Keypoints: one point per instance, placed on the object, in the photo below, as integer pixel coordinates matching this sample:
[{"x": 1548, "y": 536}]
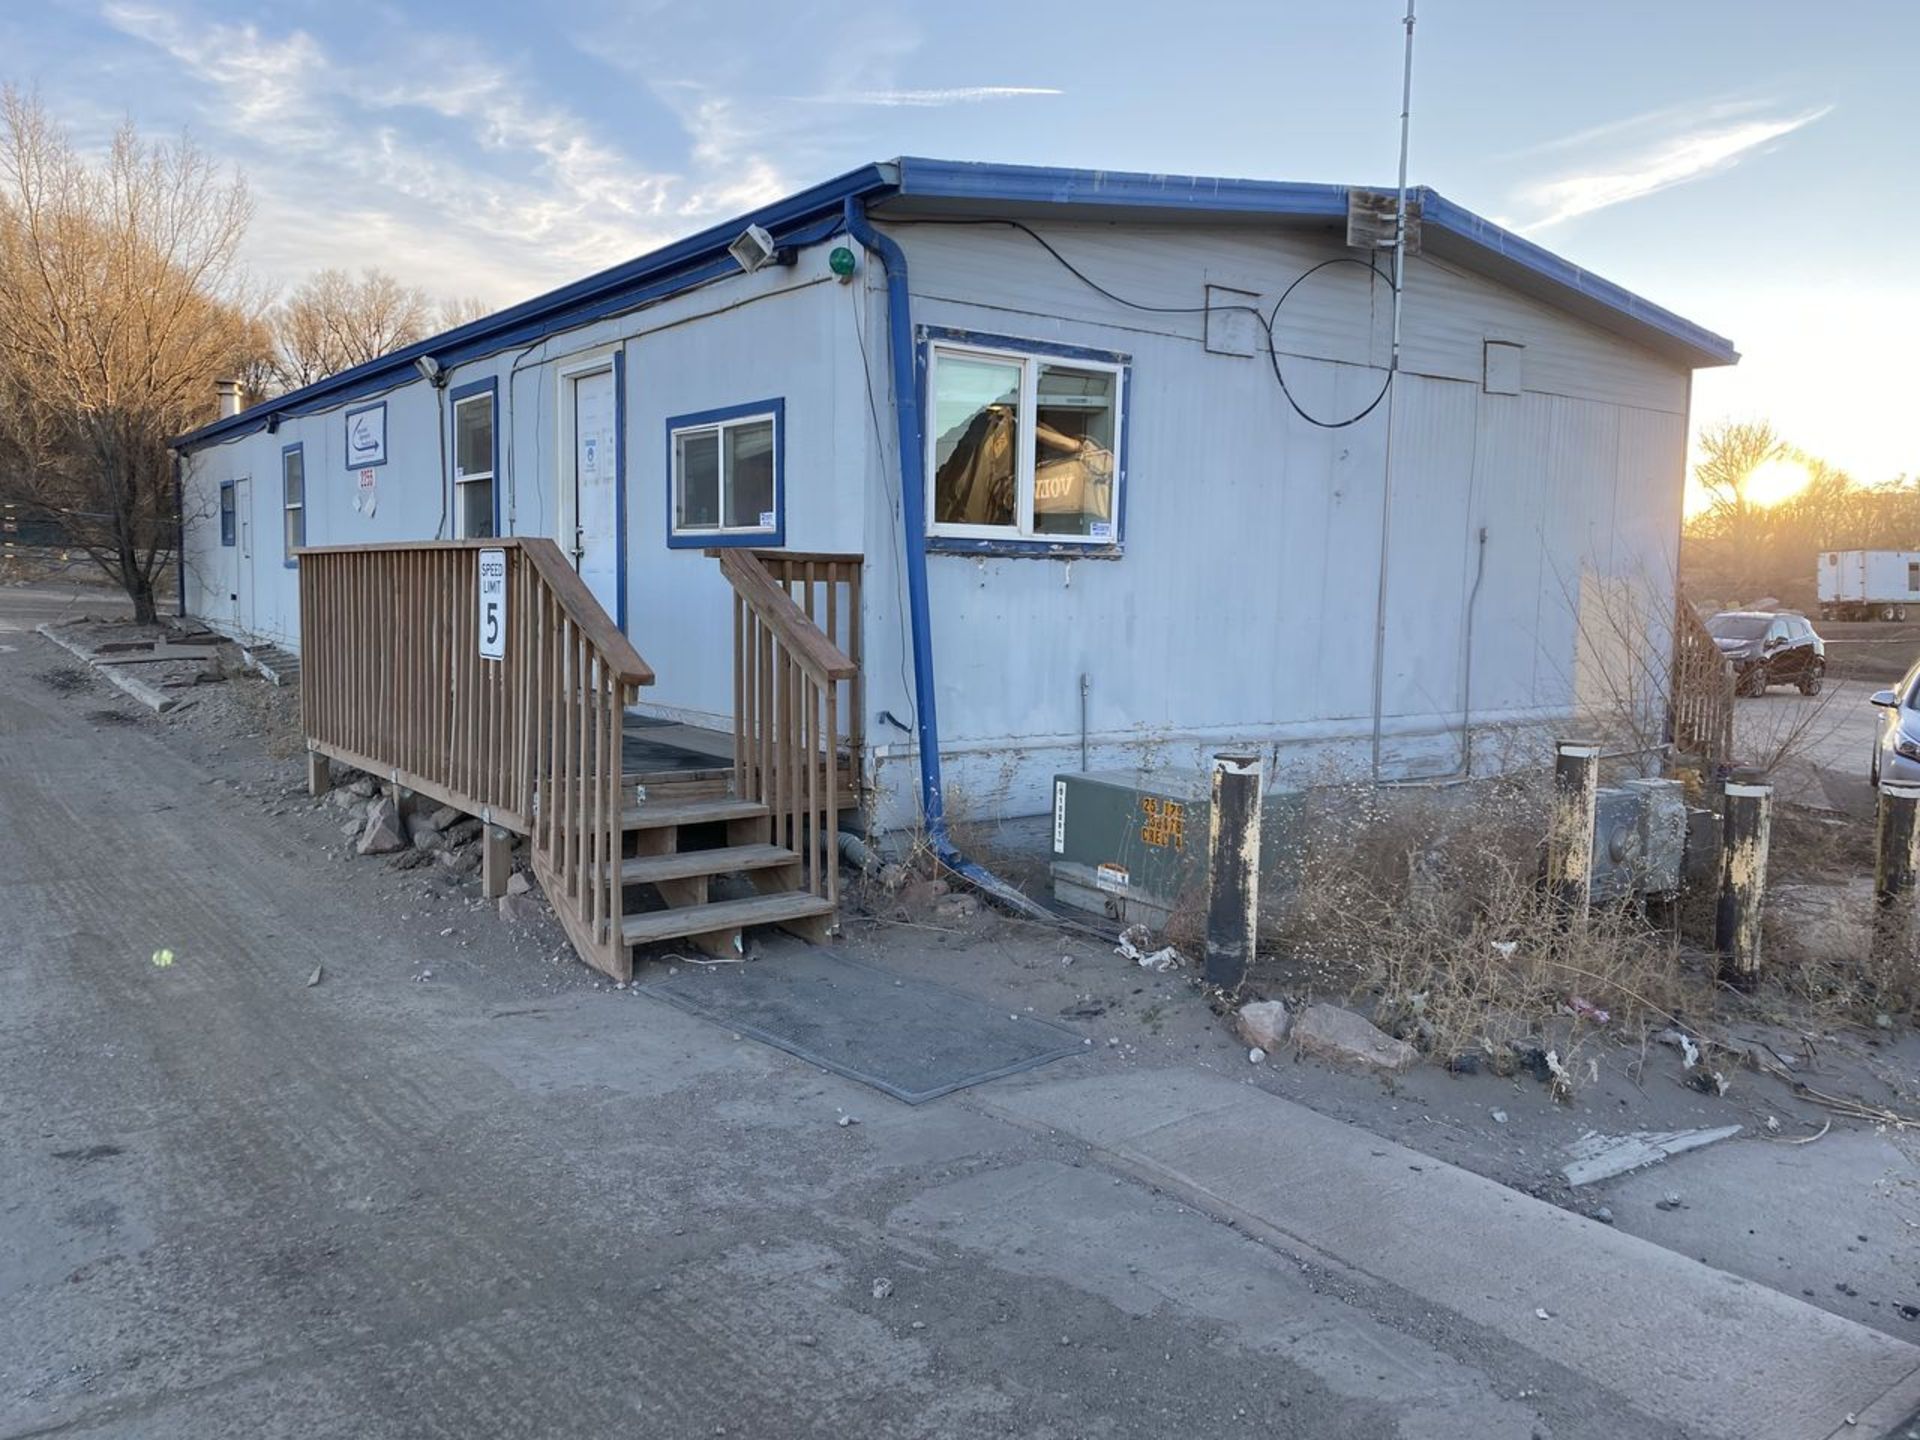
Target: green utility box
[{"x": 1131, "y": 843}]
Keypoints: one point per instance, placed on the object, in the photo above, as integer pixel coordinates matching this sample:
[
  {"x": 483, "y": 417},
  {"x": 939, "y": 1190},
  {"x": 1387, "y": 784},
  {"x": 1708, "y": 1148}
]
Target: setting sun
[{"x": 1779, "y": 479}]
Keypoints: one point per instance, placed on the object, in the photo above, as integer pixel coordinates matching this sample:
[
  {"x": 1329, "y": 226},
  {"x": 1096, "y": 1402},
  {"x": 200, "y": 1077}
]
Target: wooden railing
[
  {"x": 788, "y": 680},
  {"x": 1700, "y": 691},
  {"x": 826, "y": 587},
  {"x": 393, "y": 682}
]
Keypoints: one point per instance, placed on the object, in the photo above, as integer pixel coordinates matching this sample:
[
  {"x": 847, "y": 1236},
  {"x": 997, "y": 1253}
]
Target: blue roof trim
[
  {"x": 966, "y": 180},
  {"x": 812, "y": 215},
  {"x": 686, "y": 262}
]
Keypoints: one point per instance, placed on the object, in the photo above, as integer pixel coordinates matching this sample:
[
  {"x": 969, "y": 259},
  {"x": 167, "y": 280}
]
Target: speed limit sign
[{"x": 493, "y": 604}]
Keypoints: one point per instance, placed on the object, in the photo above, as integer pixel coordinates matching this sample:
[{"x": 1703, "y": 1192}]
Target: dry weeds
[{"x": 1430, "y": 903}]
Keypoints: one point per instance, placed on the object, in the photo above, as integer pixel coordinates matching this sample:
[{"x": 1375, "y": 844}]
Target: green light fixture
[{"x": 840, "y": 260}]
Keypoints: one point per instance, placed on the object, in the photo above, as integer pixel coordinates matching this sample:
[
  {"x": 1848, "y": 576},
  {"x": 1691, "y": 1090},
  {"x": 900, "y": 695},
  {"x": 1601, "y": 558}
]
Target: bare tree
[
  {"x": 333, "y": 322},
  {"x": 120, "y": 303},
  {"x": 461, "y": 310}
]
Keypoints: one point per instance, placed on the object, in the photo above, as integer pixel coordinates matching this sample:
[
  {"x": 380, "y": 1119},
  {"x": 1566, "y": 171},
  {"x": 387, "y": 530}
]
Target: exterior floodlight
[
  {"x": 755, "y": 248},
  {"x": 430, "y": 371}
]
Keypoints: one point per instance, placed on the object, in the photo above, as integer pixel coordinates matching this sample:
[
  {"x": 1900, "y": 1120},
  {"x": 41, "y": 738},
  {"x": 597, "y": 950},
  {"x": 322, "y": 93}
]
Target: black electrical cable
[{"x": 1264, "y": 319}]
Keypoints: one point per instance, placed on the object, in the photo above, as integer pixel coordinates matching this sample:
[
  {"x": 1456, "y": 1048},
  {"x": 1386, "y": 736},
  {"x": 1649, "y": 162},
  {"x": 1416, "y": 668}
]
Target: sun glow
[{"x": 1778, "y": 479}]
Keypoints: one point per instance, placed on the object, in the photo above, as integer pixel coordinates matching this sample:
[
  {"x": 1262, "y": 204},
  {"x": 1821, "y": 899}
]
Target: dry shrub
[{"x": 1431, "y": 902}]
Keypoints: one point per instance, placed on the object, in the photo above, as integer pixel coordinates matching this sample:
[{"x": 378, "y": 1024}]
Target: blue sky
[{"x": 1747, "y": 164}]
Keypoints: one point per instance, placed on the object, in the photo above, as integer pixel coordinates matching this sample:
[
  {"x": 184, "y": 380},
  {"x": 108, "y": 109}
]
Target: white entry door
[
  {"x": 243, "y": 555},
  {"x": 589, "y": 400}
]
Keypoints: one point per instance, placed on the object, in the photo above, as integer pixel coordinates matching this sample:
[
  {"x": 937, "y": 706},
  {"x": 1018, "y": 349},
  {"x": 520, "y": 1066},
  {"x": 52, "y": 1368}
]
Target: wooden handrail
[
  {"x": 529, "y": 739},
  {"x": 585, "y": 611},
  {"x": 788, "y": 677},
  {"x": 805, "y": 641},
  {"x": 615, "y": 649}
]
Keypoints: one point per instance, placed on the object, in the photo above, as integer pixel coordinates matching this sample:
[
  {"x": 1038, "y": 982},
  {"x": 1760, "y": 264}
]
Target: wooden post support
[
  {"x": 1746, "y": 824},
  {"x": 1576, "y": 786},
  {"x": 1896, "y": 871},
  {"x": 319, "y": 774},
  {"x": 496, "y": 860},
  {"x": 1233, "y": 868}
]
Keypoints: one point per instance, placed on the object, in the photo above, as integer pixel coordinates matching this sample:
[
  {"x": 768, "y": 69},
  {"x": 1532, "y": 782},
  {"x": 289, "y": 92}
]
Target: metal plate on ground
[{"x": 910, "y": 1038}]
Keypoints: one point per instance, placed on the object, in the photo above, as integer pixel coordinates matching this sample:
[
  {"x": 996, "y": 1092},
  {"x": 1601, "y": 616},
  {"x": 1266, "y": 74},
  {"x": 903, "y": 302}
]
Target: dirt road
[{"x": 454, "y": 1189}]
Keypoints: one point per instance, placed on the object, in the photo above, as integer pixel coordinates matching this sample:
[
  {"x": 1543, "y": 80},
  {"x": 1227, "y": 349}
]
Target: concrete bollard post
[
  {"x": 496, "y": 860},
  {"x": 1233, "y": 869},
  {"x": 1896, "y": 871},
  {"x": 1576, "y": 789},
  {"x": 1746, "y": 826},
  {"x": 319, "y": 774}
]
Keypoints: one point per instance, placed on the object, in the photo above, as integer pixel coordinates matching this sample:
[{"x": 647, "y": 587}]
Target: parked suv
[{"x": 1769, "y": 649}]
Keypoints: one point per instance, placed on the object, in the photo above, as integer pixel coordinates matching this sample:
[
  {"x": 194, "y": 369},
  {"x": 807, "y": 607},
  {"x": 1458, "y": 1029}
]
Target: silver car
[{"x": 1896, "y": 754}]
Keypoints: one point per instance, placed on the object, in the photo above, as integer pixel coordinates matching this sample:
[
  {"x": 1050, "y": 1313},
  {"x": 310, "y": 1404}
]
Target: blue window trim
[
  {"x": 228, "y": 501},
  {"x": 488, "y": 386},
  {"x": 347, "y": 433},
  {"x": 926, "y": 337},
  {"x": 298, "y": 447},
  {"x": 712, "y": 539}
]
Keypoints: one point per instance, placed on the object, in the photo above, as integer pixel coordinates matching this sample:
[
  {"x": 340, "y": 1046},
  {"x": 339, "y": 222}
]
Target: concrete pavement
[
  {"x": 232, "y": 1204},
  {"x": 1819, "y": 747}
]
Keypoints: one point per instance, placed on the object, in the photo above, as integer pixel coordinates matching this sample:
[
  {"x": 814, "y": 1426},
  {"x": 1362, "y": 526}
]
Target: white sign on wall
[
  {"x": 493, "y": 604},
  {"x": 367, "y": 436}
]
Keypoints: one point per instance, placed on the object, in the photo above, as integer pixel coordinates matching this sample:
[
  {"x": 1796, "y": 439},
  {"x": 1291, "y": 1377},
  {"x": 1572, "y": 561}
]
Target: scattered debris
[
  {"x": 1134, "y": 941},
  {"x": 319, "y": 973},
  {"x": 1256, "y": 1056},
  {"x": 1499, "y": 1117},
  {"x": 162, "y": 958},
  {"x": 1587, "y": 1010},
  {"x": 1263, "y": 1024},
  {"x": 846, "y": 1120},
  {"x": 882, "y": 1288},
  {"x": 1338, "y": 1035},
  {"x": 1683, "y": 1043},
  {"x": 519, "y": 883},
  {"x": 1825, "y": 1126},
  {"x": 1541, "y": 1315},
  {"x": 1561, "y": 1087},
  {"x": 1594, "y": 1157},
  {"x": 1670, "y": 1201}
]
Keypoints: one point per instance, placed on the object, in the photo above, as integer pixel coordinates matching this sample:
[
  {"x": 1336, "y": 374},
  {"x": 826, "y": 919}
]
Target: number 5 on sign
[{"x": 493, "y": 604}]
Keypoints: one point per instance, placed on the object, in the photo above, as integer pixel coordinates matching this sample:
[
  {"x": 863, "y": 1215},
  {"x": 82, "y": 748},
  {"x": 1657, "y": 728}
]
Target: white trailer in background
[{"x": 1868, "y": 584}]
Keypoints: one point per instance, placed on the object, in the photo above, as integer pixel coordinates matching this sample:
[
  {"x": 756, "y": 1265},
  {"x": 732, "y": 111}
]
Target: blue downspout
[{"x": 913, "y": 520}]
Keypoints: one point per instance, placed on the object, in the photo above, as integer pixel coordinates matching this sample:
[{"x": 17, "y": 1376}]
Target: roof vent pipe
[{"x": 229, "y": 392}]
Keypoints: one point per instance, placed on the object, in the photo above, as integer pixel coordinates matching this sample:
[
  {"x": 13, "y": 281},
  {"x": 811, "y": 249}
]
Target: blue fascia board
[
  {"x": 966, "y": 180},
  {"x": 691, "y": 261},
  {"x": 703, "y": 257}
]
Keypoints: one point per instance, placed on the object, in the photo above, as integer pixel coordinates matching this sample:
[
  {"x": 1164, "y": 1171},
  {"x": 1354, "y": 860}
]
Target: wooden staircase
[
  {"x": 678, "y": 848},
  {"x": 529, "y": 737}
]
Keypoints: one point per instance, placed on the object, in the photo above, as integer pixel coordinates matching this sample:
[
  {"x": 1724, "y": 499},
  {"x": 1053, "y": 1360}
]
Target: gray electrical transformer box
[{"x": 1133, "y": 843}]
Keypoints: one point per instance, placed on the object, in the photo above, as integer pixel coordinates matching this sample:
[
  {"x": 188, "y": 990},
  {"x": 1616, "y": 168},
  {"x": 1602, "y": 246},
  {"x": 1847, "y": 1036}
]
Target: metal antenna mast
[{"x": 1393, "y": 372}]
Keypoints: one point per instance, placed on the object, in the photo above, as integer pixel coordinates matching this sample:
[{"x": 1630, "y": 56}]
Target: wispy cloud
[
  {"x": 518, "y": 194},
  {"x": 1646, "y": 154},
  {"x": 956, "y": 95}
]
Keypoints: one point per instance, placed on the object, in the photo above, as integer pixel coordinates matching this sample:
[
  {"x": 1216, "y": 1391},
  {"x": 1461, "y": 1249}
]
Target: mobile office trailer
[
  {"x": 1122, "y": 463},
  {"x": 1868, "y": 584}
]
